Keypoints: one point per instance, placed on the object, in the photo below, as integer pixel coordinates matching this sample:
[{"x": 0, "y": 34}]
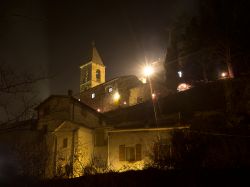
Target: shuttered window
[
  {"x": 122, "y": 152},
  {"x": 138, "y": 152},
  {"x": 130, "y": 153},
  {"x": 65, "y": 142}
]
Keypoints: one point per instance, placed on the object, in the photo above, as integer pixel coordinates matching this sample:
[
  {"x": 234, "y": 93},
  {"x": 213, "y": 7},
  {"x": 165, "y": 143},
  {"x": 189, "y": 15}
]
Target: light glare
[
  {"x": 148, "y": 71},
  {"x": 223, "y": 74},
  {"x": 116, "y": 96},
  {"x": 180, "y": 73},
  {"x": 183, "y": 87},
  {"x": 153, "y": 95}
]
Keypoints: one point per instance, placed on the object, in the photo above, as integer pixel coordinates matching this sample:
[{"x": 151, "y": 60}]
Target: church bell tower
[{"x": 92, "y": 73}]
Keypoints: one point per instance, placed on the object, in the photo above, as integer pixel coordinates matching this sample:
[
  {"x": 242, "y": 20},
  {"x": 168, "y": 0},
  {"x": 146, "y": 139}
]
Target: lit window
[
  {"x": 93, "y": 95},
  {"x": 180, "y": 73},
  {"x": 110, "y": 89},
  {"x": 183, "y": 87},
  {"x": 46, "y": 110},
  {"x": 65, "y": 142}
]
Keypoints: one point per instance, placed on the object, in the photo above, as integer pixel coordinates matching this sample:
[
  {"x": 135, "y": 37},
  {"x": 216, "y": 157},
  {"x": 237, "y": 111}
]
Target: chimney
[{"x": 70, "y": 93}]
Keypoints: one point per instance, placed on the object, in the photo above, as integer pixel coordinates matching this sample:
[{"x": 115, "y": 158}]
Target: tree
[
  {"x": 216, "y": 39},
  {"x": 17, "y": 96}
]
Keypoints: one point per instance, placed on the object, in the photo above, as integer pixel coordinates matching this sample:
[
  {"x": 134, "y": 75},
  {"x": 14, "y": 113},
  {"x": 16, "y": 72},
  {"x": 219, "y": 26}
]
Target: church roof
[
  {"x": 72, "y": 99},
  {"x": 94, "y": 56}
]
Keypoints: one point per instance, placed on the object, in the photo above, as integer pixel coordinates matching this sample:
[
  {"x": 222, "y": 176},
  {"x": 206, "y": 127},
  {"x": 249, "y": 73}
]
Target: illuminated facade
[
  {"x": 68, "y": 125},
  {"x": 113, "y": 94}
]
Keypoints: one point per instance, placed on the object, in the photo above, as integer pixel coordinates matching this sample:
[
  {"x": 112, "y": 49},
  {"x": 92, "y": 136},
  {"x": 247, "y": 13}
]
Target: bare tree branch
[{"x": 17, "y": 96}]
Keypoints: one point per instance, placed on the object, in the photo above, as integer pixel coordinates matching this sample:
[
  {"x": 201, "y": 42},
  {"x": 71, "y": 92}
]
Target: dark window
[
  {"x": 98, "y": 75},
  {"x": 83, "y": 112},
  {"x": 45, "y": 128},
  {"x": 41, "y": 113},
  {"x": 130, "y": 153},
  {"x": 46, "y": 110},
  {"x": 65, "y": 142}
]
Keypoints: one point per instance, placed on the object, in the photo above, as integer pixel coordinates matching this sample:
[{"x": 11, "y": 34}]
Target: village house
[{"x": 80, "y": 137}]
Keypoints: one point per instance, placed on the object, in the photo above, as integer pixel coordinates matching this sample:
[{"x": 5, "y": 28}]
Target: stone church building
[
  {"x": 104, "y": 95},
  {"x": 113, "y": 124}
]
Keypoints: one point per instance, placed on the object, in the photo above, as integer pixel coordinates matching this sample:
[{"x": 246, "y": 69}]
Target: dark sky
[{"x": 54, "y": 36}]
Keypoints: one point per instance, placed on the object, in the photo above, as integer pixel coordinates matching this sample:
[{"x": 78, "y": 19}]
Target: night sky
[{"x": 54, "y": 37}]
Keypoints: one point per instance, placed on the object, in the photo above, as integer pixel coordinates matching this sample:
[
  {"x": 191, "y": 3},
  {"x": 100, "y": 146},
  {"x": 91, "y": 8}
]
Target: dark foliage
[
  {"x": 215, "y": 40},
  {"x": 149, "y": 177}
]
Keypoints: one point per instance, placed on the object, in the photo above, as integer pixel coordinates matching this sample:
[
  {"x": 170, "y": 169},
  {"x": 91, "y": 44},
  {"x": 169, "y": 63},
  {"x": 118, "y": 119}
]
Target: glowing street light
[
  {"x": 148, "y": 71},
  {"x": 153, "y": 95},
  {"x": 223, "y": 75},
  {"x": 116, "y": 96},
  {"x": 183, "y": 87}
]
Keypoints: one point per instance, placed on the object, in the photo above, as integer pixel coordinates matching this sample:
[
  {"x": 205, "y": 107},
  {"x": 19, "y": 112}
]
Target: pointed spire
[{"x": 95, "y": 55}]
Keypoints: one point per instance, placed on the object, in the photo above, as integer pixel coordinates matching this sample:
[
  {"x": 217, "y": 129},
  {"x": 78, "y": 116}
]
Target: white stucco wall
[
  {"x": 84, "y": 152},
  {"x": 145, "y": 137}
]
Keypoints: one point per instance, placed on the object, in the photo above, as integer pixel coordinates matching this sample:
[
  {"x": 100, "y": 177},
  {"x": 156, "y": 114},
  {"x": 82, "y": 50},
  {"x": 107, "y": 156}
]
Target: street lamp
[
  {"x": 148, "y": 71},
  {"x": 223, "y": 75},
  {"x": 116, "y": 97}
]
